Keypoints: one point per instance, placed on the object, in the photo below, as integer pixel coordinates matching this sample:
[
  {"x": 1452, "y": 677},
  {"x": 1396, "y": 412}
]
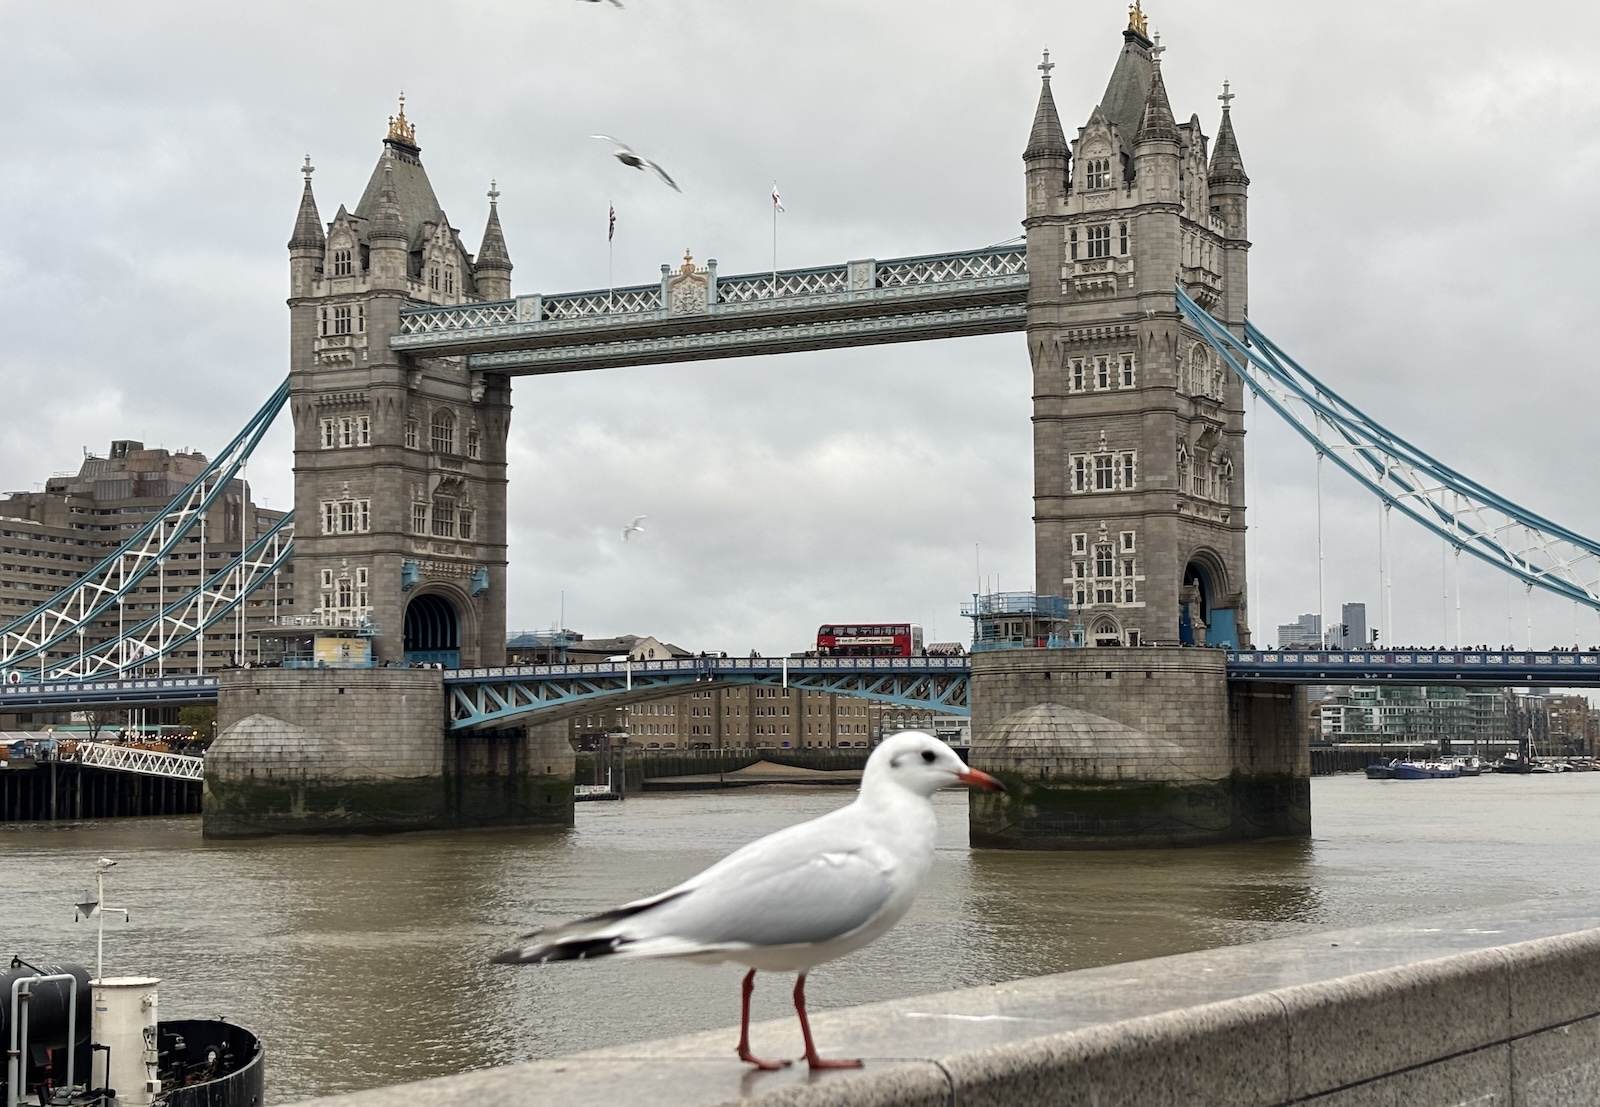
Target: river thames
[{"x": 365, "y": 961}]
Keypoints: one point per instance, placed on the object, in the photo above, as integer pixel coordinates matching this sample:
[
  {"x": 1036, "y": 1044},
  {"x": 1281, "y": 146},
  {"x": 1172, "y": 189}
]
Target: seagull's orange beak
[{"x": 977, "y": 778}]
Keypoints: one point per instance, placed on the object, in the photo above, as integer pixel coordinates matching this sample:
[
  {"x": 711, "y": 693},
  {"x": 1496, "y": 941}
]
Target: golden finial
[
  {"x": 1137, "y": 20},
  {"x": 688, "y": 262},
  {"x": 399, "y": 129}
]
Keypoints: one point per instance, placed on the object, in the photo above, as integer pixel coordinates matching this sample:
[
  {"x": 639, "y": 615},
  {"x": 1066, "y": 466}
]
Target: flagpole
[
  {"x": 774, "y": 239},
  {"x": 611, "y": 231}
]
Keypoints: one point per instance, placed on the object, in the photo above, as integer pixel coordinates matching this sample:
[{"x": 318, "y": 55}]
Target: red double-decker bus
[{"x": 869, "y": 640}]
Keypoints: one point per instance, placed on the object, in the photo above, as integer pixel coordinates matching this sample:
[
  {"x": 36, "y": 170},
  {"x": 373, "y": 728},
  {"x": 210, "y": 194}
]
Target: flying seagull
[
  {"x": 794, "y": 899},
  {"x": 624, "y": 153},
  {"x": 618, "y": 3},
  {"x": 636, "y": 525}
]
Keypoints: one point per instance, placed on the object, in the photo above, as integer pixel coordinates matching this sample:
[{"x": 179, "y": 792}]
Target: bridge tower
[
  {"x": 1138, "y": 432},
  {"x": 1138, "y": 427},
  {"x": 400, "y": 465}
]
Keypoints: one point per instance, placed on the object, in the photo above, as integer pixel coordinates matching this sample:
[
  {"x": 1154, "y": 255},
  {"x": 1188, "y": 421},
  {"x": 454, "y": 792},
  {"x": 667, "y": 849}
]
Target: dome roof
[{"x": 1051, "y": 741}]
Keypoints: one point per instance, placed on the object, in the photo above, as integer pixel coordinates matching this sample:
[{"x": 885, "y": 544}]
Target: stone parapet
[{"x": 1492, "y": 1007}]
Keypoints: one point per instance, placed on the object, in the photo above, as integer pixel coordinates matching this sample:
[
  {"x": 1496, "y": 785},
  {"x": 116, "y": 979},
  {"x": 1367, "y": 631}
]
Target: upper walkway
[
  {"x": 694, "y": 314},
  {"x": 1553, "y": 668}
]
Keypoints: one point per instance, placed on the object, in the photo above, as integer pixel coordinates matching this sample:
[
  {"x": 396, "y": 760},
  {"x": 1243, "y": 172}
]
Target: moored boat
[{"x": 1424, "y": 770}]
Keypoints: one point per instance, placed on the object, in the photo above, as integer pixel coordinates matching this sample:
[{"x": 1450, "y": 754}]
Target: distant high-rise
[
  {"x": 1352, "y": 626},
  {"x": 1304, "y": 633}
]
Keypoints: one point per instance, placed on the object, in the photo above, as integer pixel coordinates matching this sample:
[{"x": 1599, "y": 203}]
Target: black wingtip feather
[{"x": 580, "y": 949}]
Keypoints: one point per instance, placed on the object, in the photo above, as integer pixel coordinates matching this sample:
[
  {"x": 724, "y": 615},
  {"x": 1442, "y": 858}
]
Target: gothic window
[
  {"x": 464, "y": 521},
  {"x": 1077, "y": 374},
  {"x": 1100, "y": 240},
  {"x": 364, "y": 430},
  {"x": 1127, "y": 540},
  {"x": 363, "y": 515},
  {"x": 341, "y": 263},
  {"x": 329, "y": 517},
  {"x": 1079, "y": 543},
  {"x": 474, "y": 444},
  {"x": 1102, "y": 373},
  {"x": 1072, "y": 244},
  {"x": 346, "y": 516},
  {"x": 1097, "y": 173},
  {"x": 433, "y": 278},
  {"x": 419, "y": 518},
  {"x": 330, "y": 434},
  {"x": 322, "y": 317},
  {"x": 361, "y": 319},
  {"x": 361, "y": 587},
  {"x": 1080, "y": 473},
  {"x": 444, "y": 517},
  {"x": 449, "y": 280},
  {"x": 347, "y": 432},
  {"x": 411, "y": 434},
  {"x": 1126, "y": 459},
  {"x": 443, "y": 435},
  {"x": 1127, "y": 370},
  {"x": 346, "y": 593},
  {"x": 341, "y": 320},
  {"x": 1122, "y": 237},
  {"x": 1103, "y": 473}
]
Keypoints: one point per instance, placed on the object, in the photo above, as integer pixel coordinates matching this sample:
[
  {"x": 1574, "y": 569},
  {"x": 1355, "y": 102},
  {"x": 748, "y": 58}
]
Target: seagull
[
  {"x": 634, "y": 526},
  {"x": 624, "y": 153},
  {"x": 618, "y": 3},
  {"x": 794, "y": 899}
]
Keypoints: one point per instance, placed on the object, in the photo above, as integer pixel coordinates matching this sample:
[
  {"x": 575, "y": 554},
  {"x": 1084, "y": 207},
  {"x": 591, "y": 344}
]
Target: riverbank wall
[{"x": 1491, "y": 1007}]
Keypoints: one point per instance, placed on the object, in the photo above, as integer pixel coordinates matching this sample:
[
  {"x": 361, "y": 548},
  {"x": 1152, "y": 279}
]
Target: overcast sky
[{"x": 1422, "y": 206}]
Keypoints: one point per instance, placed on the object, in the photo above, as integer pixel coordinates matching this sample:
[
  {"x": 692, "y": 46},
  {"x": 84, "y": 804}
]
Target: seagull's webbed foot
[
  {"x": 812, "y": 1059},
  {"x": 761, "y": 1064}
]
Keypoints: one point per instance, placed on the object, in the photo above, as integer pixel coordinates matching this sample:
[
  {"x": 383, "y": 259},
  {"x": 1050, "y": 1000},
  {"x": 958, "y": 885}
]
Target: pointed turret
[
  {"x": 1157, "y": 123},
  {"x": 492, "y": 271},
  {"x": 1227, "y": 167},
  {"x": 307, "y": 245},
  {"x": 307, "y": 223},
  {"x": 1047, "y": 152},
  {"x": 388, "y": 238},
  {"x": 1229, "y": 185}
]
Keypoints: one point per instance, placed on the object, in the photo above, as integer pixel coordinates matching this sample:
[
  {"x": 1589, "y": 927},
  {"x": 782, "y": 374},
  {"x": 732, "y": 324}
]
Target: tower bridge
[{"x": 1131, "y": 287}]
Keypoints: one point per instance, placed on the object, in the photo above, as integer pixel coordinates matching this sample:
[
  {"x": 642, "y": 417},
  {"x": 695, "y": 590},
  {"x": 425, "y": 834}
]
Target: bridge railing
[
  {"x": 130, "y": 759},
  {"x": 992, "y": 267},
  {"x": 713, "y": 665}
]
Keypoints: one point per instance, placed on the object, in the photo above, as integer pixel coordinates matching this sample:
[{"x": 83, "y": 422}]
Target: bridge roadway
[{"x": 535, "y": 693}]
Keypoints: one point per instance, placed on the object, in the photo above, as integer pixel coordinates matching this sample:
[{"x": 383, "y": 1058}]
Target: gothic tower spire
[
  {"x": 1156, "y": 123},
  {"x": 492, "y": 270},
  {"x": 1047, "y": 153},
  {"x": 307, "y": 245}
]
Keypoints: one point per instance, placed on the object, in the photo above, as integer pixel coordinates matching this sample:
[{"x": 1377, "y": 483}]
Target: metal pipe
[{"x": 16, "y": 1057}]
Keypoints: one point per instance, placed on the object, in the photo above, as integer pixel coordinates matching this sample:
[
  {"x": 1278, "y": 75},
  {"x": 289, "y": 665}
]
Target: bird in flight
[
  {"x": 636, "y": 525},
  {"x": 794, "y": 899},
  {"x": 625, "y": 154},
  {"x": 617, "y": 3}
]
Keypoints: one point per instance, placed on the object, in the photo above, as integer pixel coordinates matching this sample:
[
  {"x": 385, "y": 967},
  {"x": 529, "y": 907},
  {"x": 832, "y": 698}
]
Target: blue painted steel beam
[
  {"x": 130, "y": 692},
  {"x": 548, "y": 693},
  {"x": 854, "y": 303},
  {"x": 1555, "y": 669}
]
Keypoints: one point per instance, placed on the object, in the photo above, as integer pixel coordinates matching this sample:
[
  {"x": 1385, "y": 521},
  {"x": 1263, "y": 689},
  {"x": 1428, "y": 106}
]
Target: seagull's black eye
[{"x": 928, "y": 756}]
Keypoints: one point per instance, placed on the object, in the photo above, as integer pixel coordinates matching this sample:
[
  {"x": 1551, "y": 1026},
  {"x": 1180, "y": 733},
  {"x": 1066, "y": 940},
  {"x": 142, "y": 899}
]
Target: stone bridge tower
[
  {"x": 400, "y": 464},
  {"x": 1139, "y": 515}
]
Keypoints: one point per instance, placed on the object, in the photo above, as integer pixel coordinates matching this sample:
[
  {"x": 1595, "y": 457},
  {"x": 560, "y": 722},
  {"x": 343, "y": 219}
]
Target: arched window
[{"x": 443, "y": 435}]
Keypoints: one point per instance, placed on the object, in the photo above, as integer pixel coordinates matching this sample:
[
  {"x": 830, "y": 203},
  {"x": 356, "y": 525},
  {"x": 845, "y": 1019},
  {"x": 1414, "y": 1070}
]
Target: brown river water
[{"x": 365, "y": 961}]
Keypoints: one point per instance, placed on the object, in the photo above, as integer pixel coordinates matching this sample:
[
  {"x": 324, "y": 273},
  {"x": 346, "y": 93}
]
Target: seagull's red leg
[
  {"x": 805, "y": 1029},
  {"x": 744, "y": 1030}
]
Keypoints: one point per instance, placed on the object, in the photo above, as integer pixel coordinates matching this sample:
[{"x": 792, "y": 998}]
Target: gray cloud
[{"x": 1421, "y": 210}]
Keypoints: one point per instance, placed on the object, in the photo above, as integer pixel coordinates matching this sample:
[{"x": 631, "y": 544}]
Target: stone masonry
[
  {"x": 1138, "y": 426},
  {"x": 305, "y": 751}
]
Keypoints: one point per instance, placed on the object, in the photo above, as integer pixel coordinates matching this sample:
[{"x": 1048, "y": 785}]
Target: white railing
[{"x": 125, "y": 759}]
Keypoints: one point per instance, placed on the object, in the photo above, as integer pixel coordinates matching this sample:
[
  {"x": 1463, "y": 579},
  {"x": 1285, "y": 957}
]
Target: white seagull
[
  {"x": 625, "y": 154},
  {"x": 794, "y": 899},
  {"x": 636, "y": 525}
]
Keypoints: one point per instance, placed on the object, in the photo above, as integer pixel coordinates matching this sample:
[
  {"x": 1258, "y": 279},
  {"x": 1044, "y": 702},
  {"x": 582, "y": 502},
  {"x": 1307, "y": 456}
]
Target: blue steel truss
[
  {"x": 1499, "y": 668},
  {"x": 694, "y": 314},
  {"x": 549, "y": 693},
  {"x": 62, "y": 623},
  {"x": 1465, "y": 513}
]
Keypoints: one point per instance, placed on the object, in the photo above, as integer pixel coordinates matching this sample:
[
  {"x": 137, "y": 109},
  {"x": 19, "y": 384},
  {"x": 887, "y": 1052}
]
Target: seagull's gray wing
[
  {"x": 617, "y": 142},
  {"x": 775, "y": 902},
  {"x": 662, "y": 173}
]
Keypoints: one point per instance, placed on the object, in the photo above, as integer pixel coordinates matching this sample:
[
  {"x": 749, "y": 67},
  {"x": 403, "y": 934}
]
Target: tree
[
  {"x": 99, "y": 720},
  {"x": 201, "y": 719}
]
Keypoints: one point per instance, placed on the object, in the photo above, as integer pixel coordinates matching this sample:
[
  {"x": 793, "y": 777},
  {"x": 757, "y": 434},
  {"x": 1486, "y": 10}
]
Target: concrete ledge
[{"x": 1487, "y": 1008}]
